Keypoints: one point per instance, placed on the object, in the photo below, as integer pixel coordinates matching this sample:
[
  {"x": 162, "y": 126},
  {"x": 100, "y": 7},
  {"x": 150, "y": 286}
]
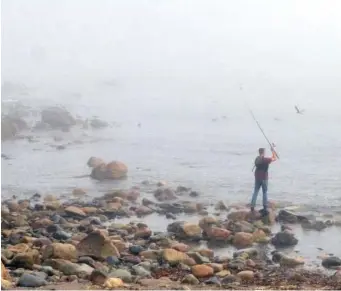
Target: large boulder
[
  {"x": 10, "y": 126},
  {"x": 116, "y": 170},
  {"x": 185, "y": 230},
  {"x": 97, "y": 245},
  {"x": 57, "y": 117},
  {"x": 284, "y": 239},
  {"x": 113, "y": 170}
]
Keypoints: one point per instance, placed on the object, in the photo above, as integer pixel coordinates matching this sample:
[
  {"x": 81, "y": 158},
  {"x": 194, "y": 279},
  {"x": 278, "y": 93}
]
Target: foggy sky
[{"x": 277, "y": 49}]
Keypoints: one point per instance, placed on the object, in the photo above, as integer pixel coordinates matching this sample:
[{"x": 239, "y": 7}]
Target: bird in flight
[{"x": 299, "y": 111}]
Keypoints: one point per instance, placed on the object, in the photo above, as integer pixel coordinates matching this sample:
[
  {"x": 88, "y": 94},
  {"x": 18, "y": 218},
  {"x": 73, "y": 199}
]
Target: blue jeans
[{"x": 264, "y": 185}]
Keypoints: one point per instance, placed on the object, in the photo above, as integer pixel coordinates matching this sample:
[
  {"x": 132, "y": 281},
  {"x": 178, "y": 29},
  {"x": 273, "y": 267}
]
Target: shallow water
[{"x": 328, "y": 241}]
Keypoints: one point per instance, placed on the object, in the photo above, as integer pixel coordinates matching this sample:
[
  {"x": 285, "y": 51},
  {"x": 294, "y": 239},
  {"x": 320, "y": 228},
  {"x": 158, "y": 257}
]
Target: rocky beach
[
  {"x": 47, "y": 243},
  {"x": 153, "y": 235}
]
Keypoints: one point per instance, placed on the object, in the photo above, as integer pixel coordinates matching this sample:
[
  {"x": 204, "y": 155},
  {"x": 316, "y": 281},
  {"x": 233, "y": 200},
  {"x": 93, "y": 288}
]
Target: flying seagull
[{"x": 298, "y": 111}]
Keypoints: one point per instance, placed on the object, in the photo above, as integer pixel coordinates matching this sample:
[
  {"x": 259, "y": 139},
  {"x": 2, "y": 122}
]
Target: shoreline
[{"x": 110, "y": 242}]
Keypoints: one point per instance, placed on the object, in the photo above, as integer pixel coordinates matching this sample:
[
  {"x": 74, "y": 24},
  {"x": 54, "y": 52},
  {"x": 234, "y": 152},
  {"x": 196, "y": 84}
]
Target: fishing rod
[
  {"x": 261, "y": 129},
  {"x": 272, "y": 146}
]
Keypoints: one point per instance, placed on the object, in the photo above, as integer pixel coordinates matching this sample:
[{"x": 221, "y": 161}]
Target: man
[{"x": 261, "y": 177}]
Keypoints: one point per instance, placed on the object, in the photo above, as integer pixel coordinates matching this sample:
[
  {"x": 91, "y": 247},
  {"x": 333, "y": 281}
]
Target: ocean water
[{"x": 211, "y": 149}]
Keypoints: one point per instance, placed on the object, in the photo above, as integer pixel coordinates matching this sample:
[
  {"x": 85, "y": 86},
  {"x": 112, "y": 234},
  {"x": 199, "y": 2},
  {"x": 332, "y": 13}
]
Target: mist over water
[
  {"x": 185, "y": 71},
  {"x": 173, "y": 66}
]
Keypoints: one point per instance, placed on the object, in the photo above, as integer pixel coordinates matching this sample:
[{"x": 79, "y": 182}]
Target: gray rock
[
  {"x": 48, "y": 270},
  {"x": 170, "y": 216},
  {"x": 184, "y": 267},
  {"x": 66, "y": 267},
  {"x": 164, "y": 194},
  {"x": 141, "y": 272},
  {"x": 213, "y": 281},
  {"x": 41, "y": 275},
  {"x": 315, "y": 225},
  {"x": 237, "y": 264},
  {"x": 190, "y": 279},
  {"x": 287, "y": 216},
  {"x": 123, "y": 274},
  {"x": 31, "y": 280},
  {"x": 57, "y": 117},
  {"x": 284, "y": 239},
  {"x": 61, "y": 235},
  {"x": 54, "y": 227},
  {"x": 84, "y": 268},
  {"x": 97, "y": 123},
  {"x": 87, "y": 260},
  {"x": 146, "y": 265},
  {"x": 331, "y": 262},
  {"x": 228, "y": 280},
  {"x": 199, "y": 259}
]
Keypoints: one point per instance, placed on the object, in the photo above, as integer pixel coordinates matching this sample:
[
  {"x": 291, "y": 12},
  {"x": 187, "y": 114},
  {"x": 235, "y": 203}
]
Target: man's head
[{"x": 261, "y": 151}]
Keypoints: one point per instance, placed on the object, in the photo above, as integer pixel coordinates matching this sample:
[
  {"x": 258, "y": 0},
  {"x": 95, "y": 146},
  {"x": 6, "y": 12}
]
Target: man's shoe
[{"x": 264, "y": 212}]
